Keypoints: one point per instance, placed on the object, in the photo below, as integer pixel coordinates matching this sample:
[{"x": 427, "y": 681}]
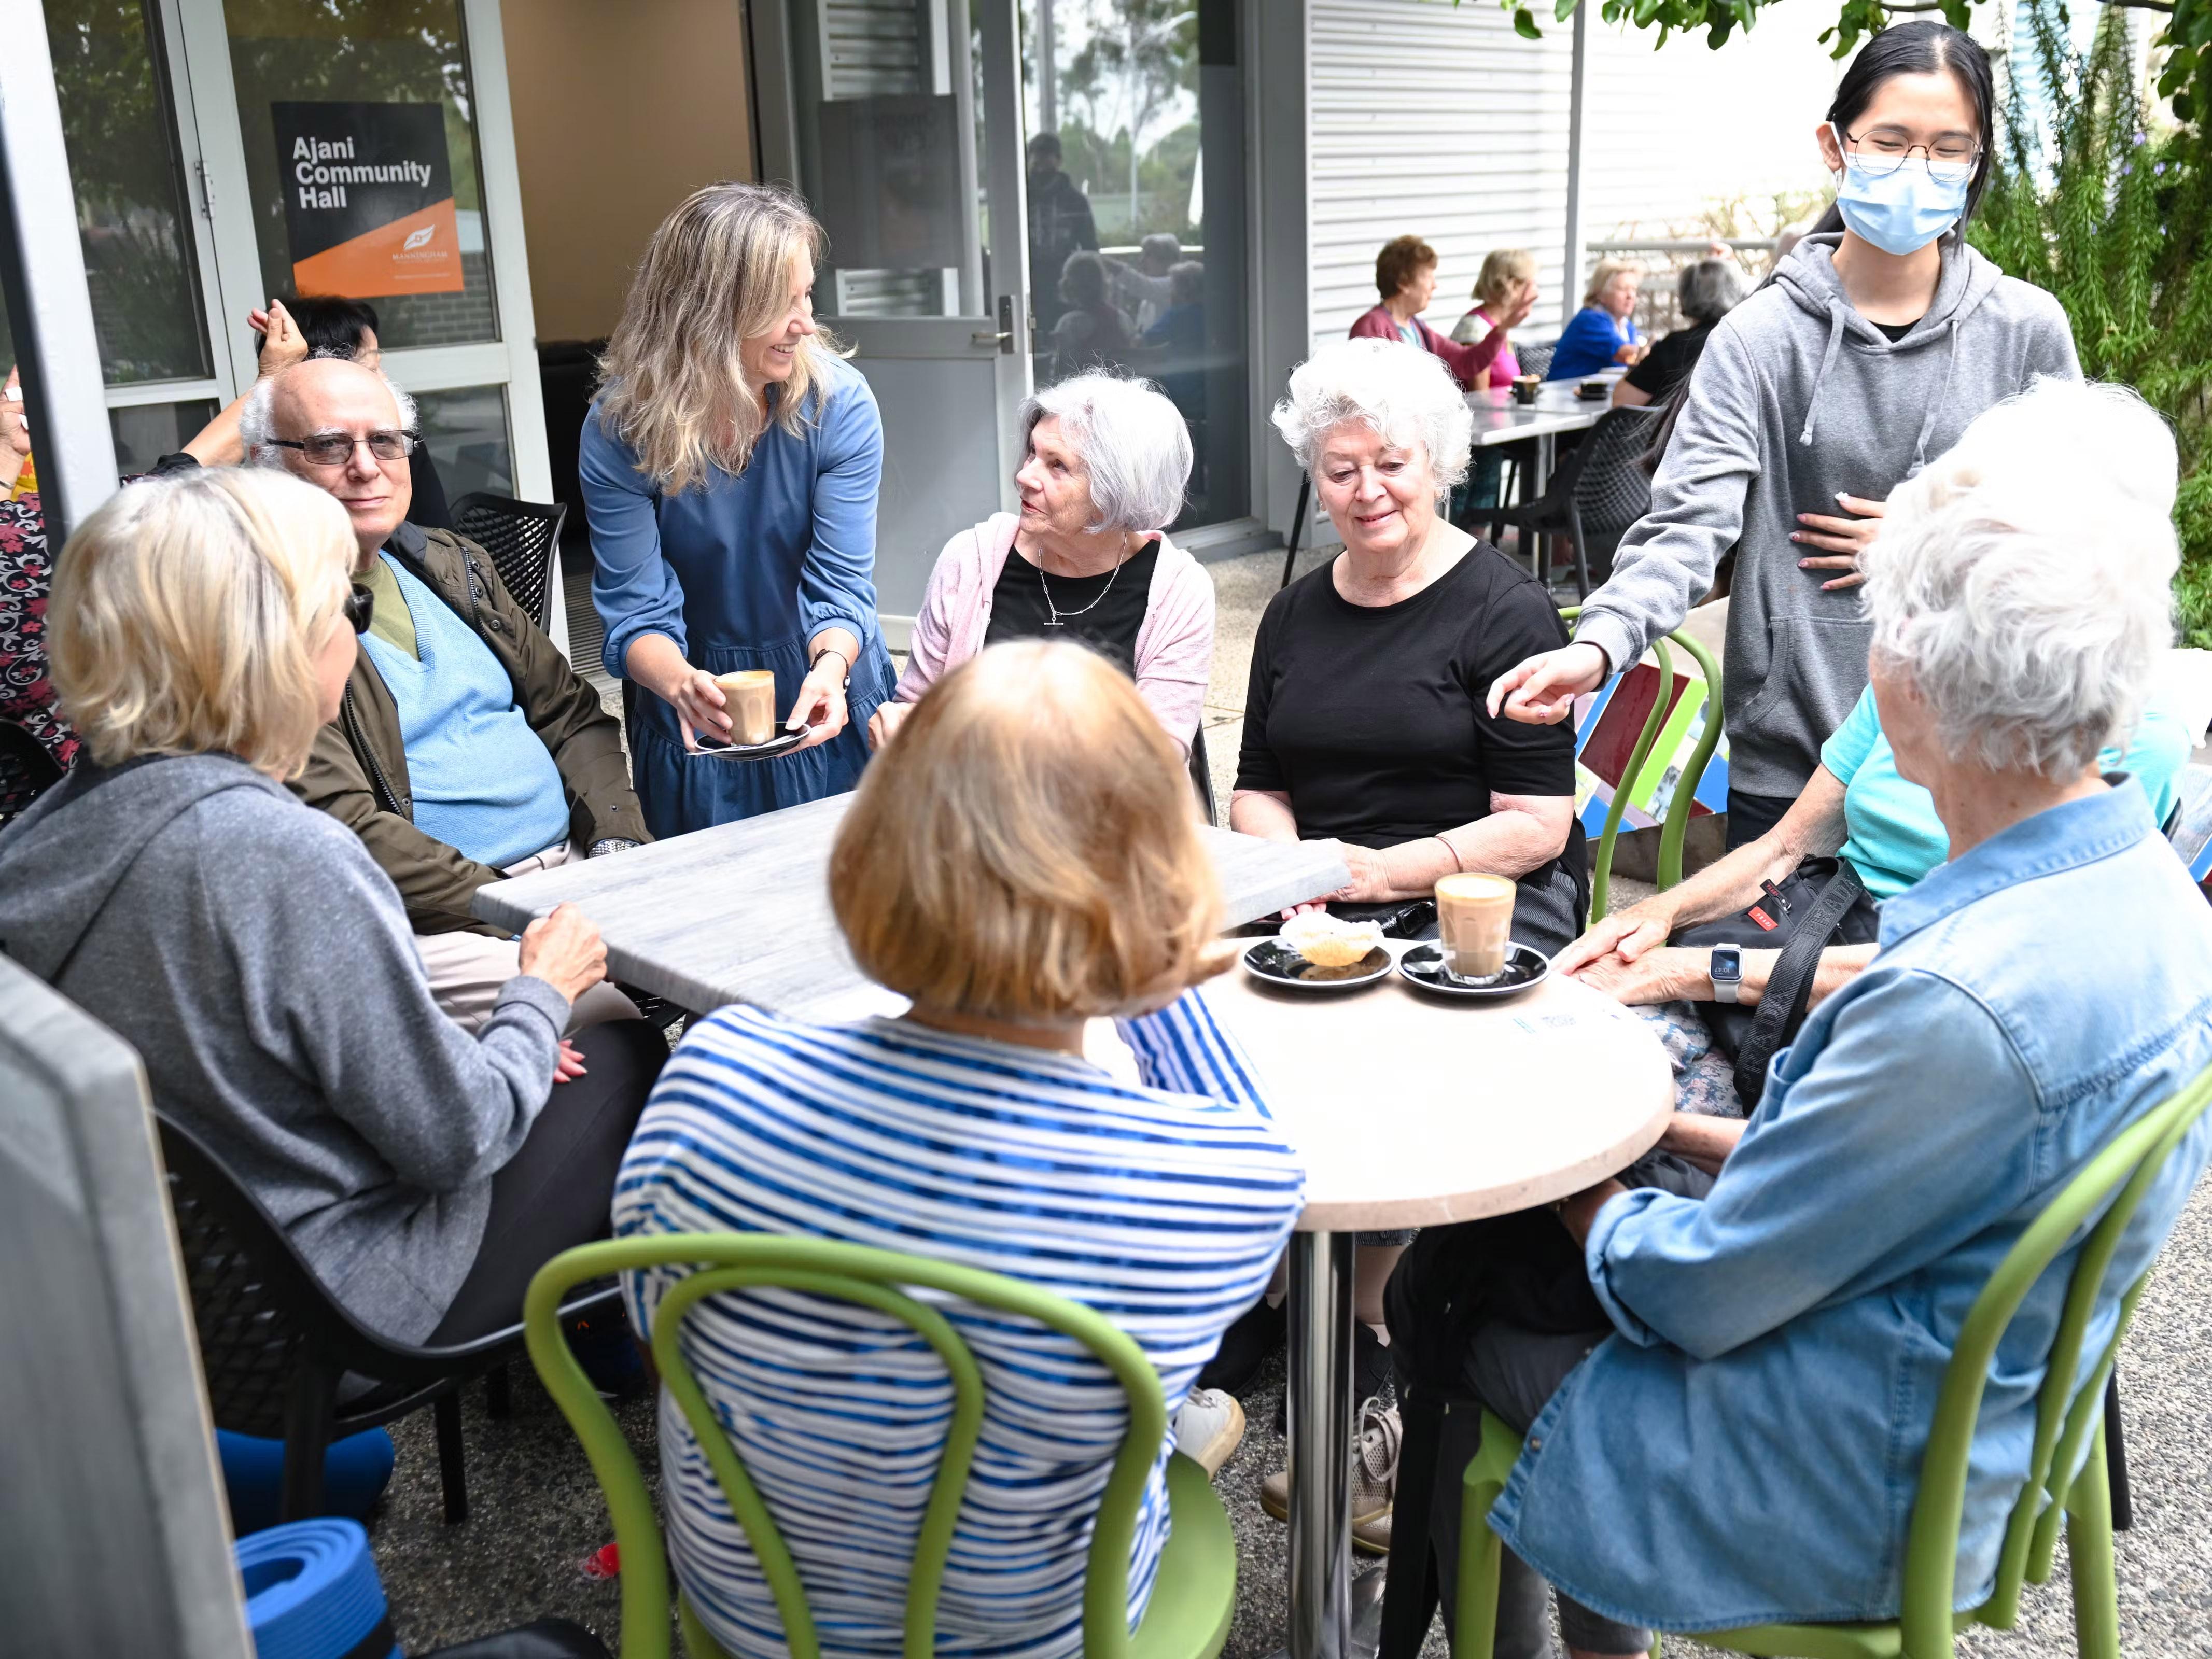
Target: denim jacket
[{"x": 1747, "y": 1446}]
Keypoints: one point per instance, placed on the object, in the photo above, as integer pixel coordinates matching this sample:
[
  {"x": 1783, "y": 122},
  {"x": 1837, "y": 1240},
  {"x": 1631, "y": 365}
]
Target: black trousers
[
  {"x": 558, "y": 1190},
  {"x": 1750, "y": 817}
]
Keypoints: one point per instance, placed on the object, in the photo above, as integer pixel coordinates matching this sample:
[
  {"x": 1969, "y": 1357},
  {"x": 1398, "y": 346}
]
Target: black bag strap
[{"x": 1790, "y": 987}]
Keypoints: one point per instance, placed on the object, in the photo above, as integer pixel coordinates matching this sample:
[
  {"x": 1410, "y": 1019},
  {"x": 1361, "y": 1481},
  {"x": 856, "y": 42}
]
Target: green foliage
[{"x": 2115, "y": 221}]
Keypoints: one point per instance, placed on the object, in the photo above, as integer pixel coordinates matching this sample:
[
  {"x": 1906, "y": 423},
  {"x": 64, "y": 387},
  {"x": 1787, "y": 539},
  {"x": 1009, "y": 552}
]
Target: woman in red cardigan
[{"x": 1405, "y": 276}]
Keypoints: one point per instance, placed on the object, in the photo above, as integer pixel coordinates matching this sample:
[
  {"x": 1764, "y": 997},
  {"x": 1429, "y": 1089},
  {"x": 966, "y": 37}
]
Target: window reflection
[{"x": 465, "y": 432}]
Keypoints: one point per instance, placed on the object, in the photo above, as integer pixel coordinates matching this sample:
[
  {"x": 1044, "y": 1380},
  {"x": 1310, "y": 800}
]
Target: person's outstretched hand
[
  {"x": 564, "y": 949},
  {"x": 1541, "y": 692},
  {"x": 282, "y": 343}
]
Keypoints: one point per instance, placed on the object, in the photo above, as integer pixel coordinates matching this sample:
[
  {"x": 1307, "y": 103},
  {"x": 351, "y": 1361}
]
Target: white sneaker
[{"x": 1209, "y": 1428}]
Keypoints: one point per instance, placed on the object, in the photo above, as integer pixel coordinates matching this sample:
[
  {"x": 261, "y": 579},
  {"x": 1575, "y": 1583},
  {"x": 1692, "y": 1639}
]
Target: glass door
[
  {"x": 363, "y": 148},
  {"x": 903, "y": 134}
]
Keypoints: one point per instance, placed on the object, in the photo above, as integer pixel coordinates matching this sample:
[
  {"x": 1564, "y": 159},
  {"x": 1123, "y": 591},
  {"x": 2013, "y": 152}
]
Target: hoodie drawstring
[
  {"x": 1827, "y": 362},
  {"x": 1942, "y": 396}
]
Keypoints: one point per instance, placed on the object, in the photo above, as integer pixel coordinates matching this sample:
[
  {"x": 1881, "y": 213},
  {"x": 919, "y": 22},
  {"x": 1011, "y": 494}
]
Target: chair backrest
[
  {"x": 1677, "y": 825},
  {"x": 2064, "y": 1417},
  {"x": 1534, "y": 359},
  {"x": 872, "y": 1278},
  {"x": 1611, "y": 490},
  {"x": 523, "y": 539},
  {"x": 108, "y": 1459},
  {"x": 1201, "y": 777}
]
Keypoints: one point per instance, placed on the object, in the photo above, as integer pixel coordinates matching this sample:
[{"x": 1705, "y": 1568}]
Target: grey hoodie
[
  {"x": 251, "y": 951},
  {"x": 1796, "y": 399}
]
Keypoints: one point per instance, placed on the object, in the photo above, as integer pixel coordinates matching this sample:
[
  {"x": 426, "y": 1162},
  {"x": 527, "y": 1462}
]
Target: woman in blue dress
[{"x": 730, "y": 469}]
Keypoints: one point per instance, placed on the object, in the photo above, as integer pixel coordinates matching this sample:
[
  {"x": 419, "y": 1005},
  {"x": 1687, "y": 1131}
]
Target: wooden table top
[
  {"x": 740, "y": 913},
  {"x": 1413, "y": 1110}
]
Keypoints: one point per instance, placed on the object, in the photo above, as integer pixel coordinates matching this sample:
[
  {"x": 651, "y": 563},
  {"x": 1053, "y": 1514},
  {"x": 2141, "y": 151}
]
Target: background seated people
[
  {"x": 1364, "y": 720},
  {"x": 1505, "y": 295},
  {"x": 1405, "y": 276},
  {"x": 1024, "y": 859},
  {"x": 254, "y": 954},
  {"x": 2032, "y": 997},
  {"x": 1603, "y": 333},
  {"x": 1858, "y": 804},
  {"x": 1180, "y": 328},
  {"x": 466, "y": 748},
  {"x": 1143, "y": 290},
  {"x": 1704, "y": 293},
  {"x": 1106, "y": 465},
  {"x": 1090, "y": 332},
  {"x": 294, "y": 328}
]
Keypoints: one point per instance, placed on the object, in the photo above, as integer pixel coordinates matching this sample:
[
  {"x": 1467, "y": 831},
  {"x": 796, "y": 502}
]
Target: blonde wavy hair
[
  {"x": 1503, "y": 269},
  {"x": 187, "y": 614},
  {"x": 716, "y": 273},
  {"x": 1028, "y": 851}
]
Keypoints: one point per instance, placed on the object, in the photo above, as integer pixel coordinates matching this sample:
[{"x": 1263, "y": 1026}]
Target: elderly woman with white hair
[
  {"x": 1364, "y": 720},
  {"x": 1787, "y": 1333},
  {"x": 1087, "y": 557}
]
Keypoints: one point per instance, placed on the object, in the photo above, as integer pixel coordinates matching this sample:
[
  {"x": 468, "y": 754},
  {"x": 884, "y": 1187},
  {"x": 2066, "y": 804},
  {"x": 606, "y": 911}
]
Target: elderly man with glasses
[{"x": 466, "y": 748}]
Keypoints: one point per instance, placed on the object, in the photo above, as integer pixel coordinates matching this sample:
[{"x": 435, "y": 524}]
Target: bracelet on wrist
[{"x": 843, "y": 662}]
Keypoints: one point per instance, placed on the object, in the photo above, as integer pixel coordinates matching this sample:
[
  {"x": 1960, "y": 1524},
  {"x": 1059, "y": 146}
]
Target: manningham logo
[{"x": 418, "y": 238}]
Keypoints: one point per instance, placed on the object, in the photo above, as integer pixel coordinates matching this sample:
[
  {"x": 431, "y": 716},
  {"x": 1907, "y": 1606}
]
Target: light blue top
[
  {"x": 483, "y": 782},
  {"x": 1588, "y": 343},
  {"x": 741, "y": 572},
  {"x": 1894, "y": 837},
  {"x": 1163, "y": 1204},
  {"x": 1746, "y": 1447}
]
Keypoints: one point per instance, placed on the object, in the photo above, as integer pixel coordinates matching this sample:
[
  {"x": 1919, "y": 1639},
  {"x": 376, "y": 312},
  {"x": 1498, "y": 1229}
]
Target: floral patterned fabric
[
  {"x": 1705, "y": 1078},
  {"x": 27, "y": 696}
]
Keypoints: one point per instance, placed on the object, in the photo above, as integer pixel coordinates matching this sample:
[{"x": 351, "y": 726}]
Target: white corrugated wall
[{"x": 1436, "y": 119}]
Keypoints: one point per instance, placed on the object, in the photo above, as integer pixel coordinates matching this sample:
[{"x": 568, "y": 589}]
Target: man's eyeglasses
[
  {"x": 336, "y": 448},
  {"x": 1881, "y": 152},
  {"x": 360, "y": 608}
]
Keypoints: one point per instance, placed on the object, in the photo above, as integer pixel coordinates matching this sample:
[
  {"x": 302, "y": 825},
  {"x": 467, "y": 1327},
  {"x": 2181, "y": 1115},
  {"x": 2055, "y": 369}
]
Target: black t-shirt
[
  {"x": 1894, "y": 332},
  {"x": 1371, "y": 717},
  {"x": 1669, "y": 361},
  {"x": 1019, "y": 610}
]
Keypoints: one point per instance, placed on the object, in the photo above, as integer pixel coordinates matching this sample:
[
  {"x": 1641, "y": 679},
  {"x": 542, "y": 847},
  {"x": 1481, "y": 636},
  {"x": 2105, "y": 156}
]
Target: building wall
[
  {"x": 619, "y": 113},
  {"x": 1438, "y": 119}
]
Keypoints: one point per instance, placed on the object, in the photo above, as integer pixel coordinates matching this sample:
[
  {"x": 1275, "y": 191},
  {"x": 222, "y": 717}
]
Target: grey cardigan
[{"x": 251, "y": 951}]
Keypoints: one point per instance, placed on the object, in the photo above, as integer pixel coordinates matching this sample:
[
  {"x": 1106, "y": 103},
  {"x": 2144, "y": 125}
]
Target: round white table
[{"x": 1413, "y": 1110}]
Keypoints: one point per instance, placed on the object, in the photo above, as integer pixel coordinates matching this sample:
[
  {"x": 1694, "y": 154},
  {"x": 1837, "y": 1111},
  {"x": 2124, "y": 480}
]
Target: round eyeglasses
[{"x": 1881, "y": 153}]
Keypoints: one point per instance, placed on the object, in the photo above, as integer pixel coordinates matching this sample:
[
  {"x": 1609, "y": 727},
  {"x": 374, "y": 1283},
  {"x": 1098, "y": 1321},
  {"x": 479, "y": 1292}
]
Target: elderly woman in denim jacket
[{"x": 1779, "y": 1341}]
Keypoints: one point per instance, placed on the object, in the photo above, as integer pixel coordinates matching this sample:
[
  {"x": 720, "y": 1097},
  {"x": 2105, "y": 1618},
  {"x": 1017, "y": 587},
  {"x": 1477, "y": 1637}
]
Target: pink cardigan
[{"x": 1174, "y": 647}]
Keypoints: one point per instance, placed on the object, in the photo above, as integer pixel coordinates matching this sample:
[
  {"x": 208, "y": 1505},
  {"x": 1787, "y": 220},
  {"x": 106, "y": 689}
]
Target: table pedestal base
[{"x": 1331, "y": 1618}]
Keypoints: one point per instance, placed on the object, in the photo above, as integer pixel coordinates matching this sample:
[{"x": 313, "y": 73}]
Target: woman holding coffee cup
[
  {"x": 1365, "y": 721},
  {"x": 730, "y": 469}
]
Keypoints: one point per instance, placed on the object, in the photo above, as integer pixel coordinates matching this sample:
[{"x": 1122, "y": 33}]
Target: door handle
[{"x": 1003, "y": 336}]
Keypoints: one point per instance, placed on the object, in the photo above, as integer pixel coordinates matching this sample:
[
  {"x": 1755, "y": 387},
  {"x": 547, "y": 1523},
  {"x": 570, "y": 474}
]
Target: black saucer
[{"x": 1525, "y": 967}]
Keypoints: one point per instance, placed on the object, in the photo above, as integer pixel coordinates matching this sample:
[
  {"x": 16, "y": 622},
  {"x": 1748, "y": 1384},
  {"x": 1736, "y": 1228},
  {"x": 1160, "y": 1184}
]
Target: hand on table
[
  {"x": 1628, "y": 933},
  {"x": 883, "y": 724},
  {"x": 1669, "y": 974},
  {"x": 1541, "y": 692},
  {"x": 820, "y": 704},
  {"x": 282, "y": 343},
  {"x": 1370, "y": 876},
  {"x": 1844, "y": 538},
  {"x": 564, "y": 948}
]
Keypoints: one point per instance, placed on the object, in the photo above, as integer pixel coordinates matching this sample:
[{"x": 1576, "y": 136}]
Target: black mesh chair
[
  {"x": 275, "y": 1346},
  {"x": 1535, "y": 359},
  {"x": 1600, "y": 489},
  {"x": 523, "y": 539}
]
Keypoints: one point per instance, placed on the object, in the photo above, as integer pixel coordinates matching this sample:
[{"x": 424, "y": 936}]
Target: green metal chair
[
  {"x": 1677, "y": 823},
  {"x": 1193, "y": 1592},
  {"x": 2065, "y": 1435}
]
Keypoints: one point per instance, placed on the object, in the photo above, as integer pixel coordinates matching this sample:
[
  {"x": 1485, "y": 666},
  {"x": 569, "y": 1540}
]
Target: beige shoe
[
  {"x": 1374, "y": 1480},
  {"x": 1209, "y": 1428}
]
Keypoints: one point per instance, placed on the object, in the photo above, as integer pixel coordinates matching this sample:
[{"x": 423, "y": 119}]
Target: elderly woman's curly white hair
[
  {"x": 2022, "y": 582},
  {"x": 1399, "y": 391}
]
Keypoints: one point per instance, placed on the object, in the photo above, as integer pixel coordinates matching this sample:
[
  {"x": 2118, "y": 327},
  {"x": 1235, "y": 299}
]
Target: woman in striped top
[{"x": 1024, "y": 859}]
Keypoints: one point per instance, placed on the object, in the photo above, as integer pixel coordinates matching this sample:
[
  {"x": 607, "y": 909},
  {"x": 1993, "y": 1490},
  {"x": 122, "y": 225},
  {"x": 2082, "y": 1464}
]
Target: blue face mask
[{"x": 1899, "y": 212}]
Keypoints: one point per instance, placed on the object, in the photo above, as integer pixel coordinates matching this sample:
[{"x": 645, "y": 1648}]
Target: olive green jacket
[{"x": 357, "y": 772}]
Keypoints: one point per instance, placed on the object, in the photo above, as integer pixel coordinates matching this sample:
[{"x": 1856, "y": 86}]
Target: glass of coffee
[
  {"x": 751, "y": 704},
  {"x": 1475, "y": 923},
  {"x": 1524, "y": 388}
]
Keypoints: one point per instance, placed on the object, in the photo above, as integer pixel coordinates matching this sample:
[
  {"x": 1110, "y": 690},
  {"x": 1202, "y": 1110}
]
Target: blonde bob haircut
[
  {"x": 1601, "y": 278},
  {"x": 187, "y": 614},
  {"x": 1503, "y": 269},
  {"x": 716, "y": 273},
  {"x": 1028, "y": 850}
]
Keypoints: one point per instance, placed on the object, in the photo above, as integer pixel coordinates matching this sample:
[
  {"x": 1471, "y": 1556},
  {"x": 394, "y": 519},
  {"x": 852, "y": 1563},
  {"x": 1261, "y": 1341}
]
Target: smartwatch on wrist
[{"x": 1726, "y": 973}]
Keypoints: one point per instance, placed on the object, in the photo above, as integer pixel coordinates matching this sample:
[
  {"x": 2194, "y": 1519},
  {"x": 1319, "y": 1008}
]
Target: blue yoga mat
[{"x": 311, "y": 1592}]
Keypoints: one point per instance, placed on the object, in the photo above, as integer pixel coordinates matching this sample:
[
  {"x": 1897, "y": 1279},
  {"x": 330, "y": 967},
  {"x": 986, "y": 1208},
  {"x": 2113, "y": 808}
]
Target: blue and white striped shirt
[{"x": 1162, "y": 1206}]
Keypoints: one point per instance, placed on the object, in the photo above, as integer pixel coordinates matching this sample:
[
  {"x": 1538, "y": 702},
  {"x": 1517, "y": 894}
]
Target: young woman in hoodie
[{"x": 1867, "y": 354}]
